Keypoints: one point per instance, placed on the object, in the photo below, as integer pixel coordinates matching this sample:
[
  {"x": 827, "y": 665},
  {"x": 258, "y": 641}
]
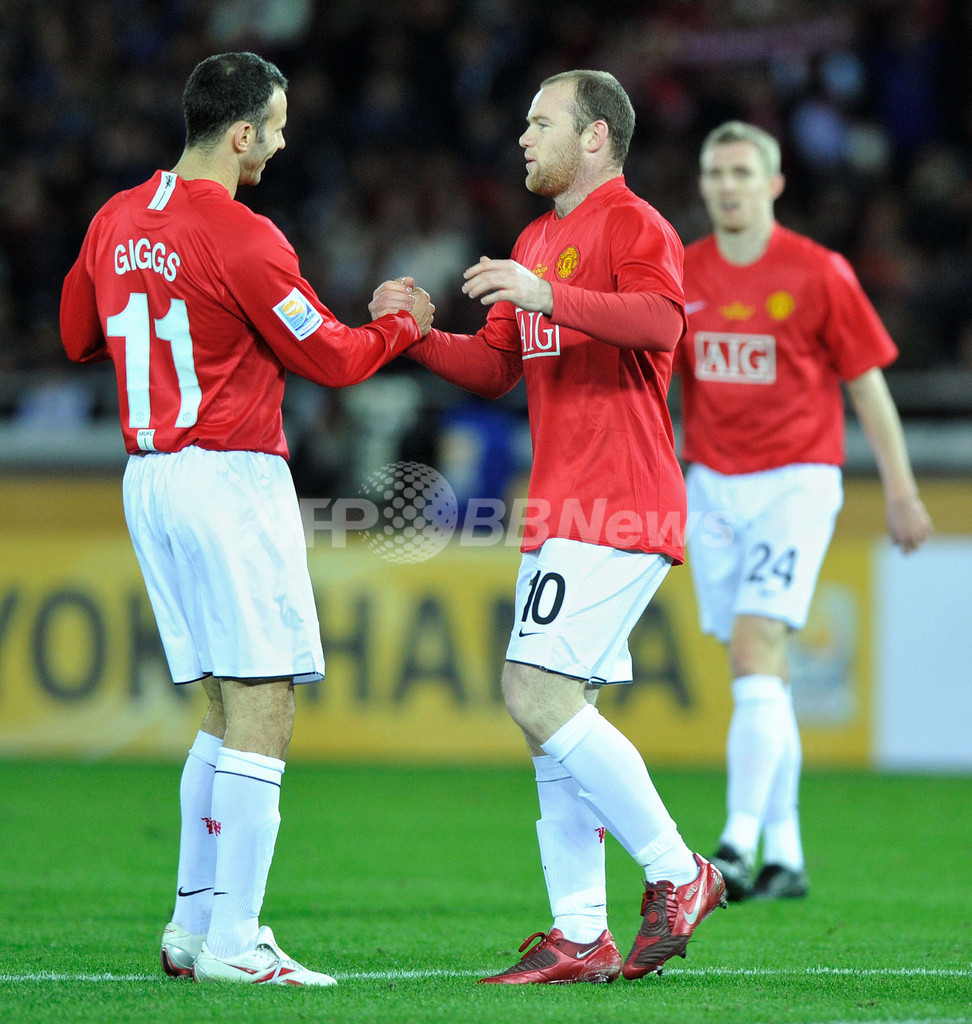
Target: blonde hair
[{"x": 739, "y": 131}]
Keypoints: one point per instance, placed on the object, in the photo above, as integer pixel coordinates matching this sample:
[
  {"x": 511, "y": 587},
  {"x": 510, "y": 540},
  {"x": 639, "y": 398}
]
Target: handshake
[
  {"x": 402, "y": 294},
  {"x": 488, "y": 280}
]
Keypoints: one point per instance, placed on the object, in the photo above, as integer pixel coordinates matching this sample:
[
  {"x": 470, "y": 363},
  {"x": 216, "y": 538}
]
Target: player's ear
[
  {"x": 243, "y": 135},
  {"x": 595, "y": 136},
  {"x": 777, "y": 184}
]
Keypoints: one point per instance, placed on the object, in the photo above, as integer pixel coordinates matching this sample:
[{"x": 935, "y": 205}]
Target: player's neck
[
  {"x": 744, "y": 247},
  {"x": 197, "y": 163},
  {"x": 581, "y": 188}
]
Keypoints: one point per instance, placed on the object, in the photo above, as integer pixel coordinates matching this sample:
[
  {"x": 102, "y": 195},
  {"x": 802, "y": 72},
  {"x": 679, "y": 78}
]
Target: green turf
[{"x": 382, "y": 874}]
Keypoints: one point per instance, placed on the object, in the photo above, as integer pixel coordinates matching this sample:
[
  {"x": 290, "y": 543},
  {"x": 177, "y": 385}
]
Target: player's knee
[
  {"x": 758, "y": 646},
  {"x": 526, "y": 701},
  {"x": 259, "y": 715},
  {"x": 519, "y": 701},
  {"x": 749, "y": 660}
]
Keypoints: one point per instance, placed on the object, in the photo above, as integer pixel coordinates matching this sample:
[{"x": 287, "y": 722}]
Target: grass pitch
[{"x": 410, "y": 883}]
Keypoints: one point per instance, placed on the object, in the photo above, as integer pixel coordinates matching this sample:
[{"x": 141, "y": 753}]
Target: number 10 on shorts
[{"x": 547, "y": 590}]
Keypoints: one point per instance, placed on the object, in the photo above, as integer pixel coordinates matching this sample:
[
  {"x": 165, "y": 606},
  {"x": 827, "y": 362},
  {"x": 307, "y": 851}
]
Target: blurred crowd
[{"x": 404, "y": 115}]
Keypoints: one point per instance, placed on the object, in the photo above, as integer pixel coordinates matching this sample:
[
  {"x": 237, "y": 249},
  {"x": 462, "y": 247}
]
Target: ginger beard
[{"x": 558, "y": 172}]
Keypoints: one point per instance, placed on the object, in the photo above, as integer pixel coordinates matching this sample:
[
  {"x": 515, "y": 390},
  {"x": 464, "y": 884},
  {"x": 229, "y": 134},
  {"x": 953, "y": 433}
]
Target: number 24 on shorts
[{"x": 767, "y": 565}]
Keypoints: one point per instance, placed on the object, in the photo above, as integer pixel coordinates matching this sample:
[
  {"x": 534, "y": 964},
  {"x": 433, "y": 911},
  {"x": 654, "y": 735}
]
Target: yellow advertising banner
[{"x": 414, "y": 652}]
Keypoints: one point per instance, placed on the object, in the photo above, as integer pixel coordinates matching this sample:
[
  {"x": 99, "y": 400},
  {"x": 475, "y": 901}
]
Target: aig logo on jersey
[
  {"x": 539, "y": 336},
  {"x": 299, "y": 316},
  {"x": 735, "y": 358}
]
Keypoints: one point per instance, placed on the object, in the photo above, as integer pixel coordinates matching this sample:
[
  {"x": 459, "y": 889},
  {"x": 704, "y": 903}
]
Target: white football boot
[
  {"x": 265, "y": 964},
  {"x": 179, "y": 950}
]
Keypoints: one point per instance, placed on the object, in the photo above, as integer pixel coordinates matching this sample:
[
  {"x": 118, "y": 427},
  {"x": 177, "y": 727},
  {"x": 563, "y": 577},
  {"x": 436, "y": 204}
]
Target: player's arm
[
  {"x": 302, "y": 332},
  {"x": 487, "y": 363},
  {"x": 334, "y": 354},
  {"x": 337, "y": 355},
  {"x": 635, "y": 319},
  {"x": 469, "y": 361},
  {"x": 81, "y": 333},
  {"x": 908, "y": 521}
]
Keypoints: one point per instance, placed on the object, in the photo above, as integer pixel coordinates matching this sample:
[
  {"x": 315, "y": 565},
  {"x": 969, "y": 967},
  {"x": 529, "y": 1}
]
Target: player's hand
[
  {"x": 392, "y": 297},
  {"x": 422, "y": 310},
  {"x": 507, "y": 281},
  {"x": 909, "y": 523}
]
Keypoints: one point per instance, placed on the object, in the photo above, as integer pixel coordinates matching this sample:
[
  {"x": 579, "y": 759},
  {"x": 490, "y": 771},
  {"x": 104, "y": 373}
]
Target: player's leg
[
  {"x": 610, "y": 773},
  {"x": 245, "y": 806},
  {"x": 783, "y": 874},
  {"x": 195, "y": 877},
  {"x": 716, "y": 560},
  {"x": 758, "y": 742},
  {"x": 793, "y": 519},
  {"x": 578, "y": 947},
  {"x": 164, "y": 579},
  {"x": 232, "y": 525},
  {"x": 580, "y": 605},
  {"x": 246, "y": 819},
  {"x": 612, "y": 779},
  {"x": 571, "y": 840},
  {"x": 577, "y": 605}
]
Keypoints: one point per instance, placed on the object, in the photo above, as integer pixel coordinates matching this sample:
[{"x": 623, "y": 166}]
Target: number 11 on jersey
[{"x": 134, "y": 324}]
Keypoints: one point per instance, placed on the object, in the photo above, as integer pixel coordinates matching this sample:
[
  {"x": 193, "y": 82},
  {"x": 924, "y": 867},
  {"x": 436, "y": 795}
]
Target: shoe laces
[
  {"x": 542, "y": 936},
  {"x": 654, "y": 891},
  {"x": 266, "y": 956}
]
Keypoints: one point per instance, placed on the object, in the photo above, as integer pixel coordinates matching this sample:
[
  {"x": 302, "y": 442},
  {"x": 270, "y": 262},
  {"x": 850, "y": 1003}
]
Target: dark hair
[
  {"x": 599, "y": 96},
  {"x": 224, "y": 89}
]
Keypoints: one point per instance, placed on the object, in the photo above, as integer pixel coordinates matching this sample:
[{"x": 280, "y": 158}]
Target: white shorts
[
  {"x": 758, "y": 541},
  {"x": 576, "y": 605},
  {"x": 219, "y": 538}
]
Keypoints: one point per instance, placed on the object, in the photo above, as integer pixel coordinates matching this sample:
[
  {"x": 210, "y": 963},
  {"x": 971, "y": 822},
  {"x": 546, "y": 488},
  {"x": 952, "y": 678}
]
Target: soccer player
[
  {"x": 776, "y": 323},
  {"x": 588, "y": 310},
  {"x": 201, "y": 305}
]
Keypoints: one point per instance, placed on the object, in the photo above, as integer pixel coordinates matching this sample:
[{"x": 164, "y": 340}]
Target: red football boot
[
  {"x": 669, "y": 917},
  {"x": 556, "y": 961}
]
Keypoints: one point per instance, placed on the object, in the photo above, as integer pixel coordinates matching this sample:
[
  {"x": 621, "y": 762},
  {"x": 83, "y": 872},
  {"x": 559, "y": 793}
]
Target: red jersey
[
  {"x": 604, "y": 464},
  {"x": 201, "y": 305},
  {"x": 767, "y": 348}
]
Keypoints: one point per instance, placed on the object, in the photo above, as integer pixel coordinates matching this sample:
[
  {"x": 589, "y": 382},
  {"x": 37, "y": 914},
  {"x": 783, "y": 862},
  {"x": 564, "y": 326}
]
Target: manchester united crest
[
  {"x": 780, "y": 305},
  {"x": 567, "y": 262}
]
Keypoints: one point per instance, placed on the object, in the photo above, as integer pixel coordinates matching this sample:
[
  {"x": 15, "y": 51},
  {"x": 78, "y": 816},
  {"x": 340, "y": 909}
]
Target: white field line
[{"x": 415, "y": 975}]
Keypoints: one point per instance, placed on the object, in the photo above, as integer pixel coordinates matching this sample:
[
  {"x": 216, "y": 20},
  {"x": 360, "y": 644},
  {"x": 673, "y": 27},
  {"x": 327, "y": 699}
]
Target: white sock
[
  {"x": 757, "y": 739},
  {"x": 246, "y": 801},
  {"x": 613, "y": 779},
  {"x": 572, "y": 853},
  {"x": 781, "y": 833},
  {"x": 197, "y": 844}
]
